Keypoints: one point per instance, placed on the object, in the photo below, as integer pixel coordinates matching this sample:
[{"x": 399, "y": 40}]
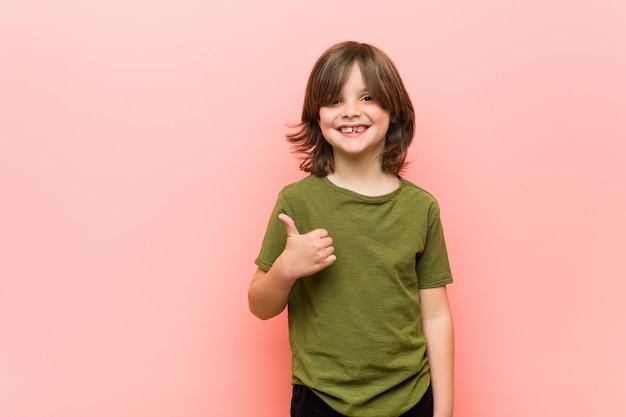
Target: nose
[{"x": 351, "y": 109}]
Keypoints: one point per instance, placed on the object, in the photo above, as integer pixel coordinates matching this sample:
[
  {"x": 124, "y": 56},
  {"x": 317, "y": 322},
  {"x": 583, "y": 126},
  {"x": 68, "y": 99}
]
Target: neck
[{"x": 363, "y": 178}]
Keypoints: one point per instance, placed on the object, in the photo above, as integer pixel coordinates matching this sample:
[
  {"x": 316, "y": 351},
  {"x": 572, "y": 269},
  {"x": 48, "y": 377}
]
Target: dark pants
[{"x": 305, "y": 403}]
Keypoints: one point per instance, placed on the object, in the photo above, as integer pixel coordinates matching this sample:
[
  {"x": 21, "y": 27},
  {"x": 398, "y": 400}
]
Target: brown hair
[{"x": 383, "y": 81}]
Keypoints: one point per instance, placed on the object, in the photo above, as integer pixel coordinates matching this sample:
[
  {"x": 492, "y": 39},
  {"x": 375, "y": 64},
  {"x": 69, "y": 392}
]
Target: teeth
[{"x": 352, "y": 129}]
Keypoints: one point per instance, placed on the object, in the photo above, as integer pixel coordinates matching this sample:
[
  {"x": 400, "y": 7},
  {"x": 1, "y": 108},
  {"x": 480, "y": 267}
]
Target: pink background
[{"x": 141, "y": 149}]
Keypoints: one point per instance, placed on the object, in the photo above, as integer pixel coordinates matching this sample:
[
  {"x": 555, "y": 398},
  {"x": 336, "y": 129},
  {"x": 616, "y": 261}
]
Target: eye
[
  {"x": 368, "y": 98},
  {"x": 335, "y": 101}
]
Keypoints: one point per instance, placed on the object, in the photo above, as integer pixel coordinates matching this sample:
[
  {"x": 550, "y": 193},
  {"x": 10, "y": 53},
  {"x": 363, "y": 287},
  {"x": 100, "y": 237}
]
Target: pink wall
[{"x": 141, "y": 148}]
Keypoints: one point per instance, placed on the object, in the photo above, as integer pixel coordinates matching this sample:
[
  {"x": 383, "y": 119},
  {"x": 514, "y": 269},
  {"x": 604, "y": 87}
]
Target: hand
[{"x": 305, "y": 254}]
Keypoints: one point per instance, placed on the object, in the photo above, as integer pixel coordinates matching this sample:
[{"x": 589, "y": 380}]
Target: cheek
[
  {"x": 383, "y": 119},
  {"x": 385, "y": 116},
  {"x": 325, "y": 120}
]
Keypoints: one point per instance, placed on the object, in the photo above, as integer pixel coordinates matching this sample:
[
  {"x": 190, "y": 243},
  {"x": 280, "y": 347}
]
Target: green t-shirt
[{"x": 355, "y": 327}]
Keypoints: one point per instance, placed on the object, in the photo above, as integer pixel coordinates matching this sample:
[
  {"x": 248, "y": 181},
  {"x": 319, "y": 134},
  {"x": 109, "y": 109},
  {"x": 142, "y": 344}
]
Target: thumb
[{"x": 289, "y": 224}]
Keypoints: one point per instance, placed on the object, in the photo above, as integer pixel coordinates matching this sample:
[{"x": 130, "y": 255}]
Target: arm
[
  {"x": 438, "y": 329},
  {"x": 303, "y": 255},
  {"x": 268, "y": 292}
]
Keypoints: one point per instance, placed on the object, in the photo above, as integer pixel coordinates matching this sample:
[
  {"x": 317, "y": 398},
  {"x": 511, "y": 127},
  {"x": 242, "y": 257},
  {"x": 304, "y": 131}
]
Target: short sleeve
[
  {"x": 432, "y": 265},
  {"x": 275, "y": 236}
]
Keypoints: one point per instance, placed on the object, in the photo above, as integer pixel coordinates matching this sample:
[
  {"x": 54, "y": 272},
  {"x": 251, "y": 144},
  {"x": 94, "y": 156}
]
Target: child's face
[{"x": 355, "y": 124}]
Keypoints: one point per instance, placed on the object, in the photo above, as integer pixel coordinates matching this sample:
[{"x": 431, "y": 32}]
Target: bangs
[
  {"x": 334, "y": 72},
  {"x": 331, "y": 80},
  {"x": 380, "y": 85}
]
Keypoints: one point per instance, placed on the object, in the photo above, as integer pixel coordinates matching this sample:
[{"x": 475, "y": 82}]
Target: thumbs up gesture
[{"x": 305, "y": 254}]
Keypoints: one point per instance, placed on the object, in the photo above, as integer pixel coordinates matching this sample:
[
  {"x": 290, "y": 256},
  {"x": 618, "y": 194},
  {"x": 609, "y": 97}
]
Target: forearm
[
  {"x": 268, "y": 293},
  {"x": 440, "y": 350}
]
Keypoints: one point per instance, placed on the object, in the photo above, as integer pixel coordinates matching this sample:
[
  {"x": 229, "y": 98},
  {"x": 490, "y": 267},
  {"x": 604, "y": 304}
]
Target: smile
[{"x": 352, "y": 129}]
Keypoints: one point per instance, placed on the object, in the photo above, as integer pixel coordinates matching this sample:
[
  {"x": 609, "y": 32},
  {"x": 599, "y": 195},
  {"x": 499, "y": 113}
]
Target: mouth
[{"x": 352, "y": 129}]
